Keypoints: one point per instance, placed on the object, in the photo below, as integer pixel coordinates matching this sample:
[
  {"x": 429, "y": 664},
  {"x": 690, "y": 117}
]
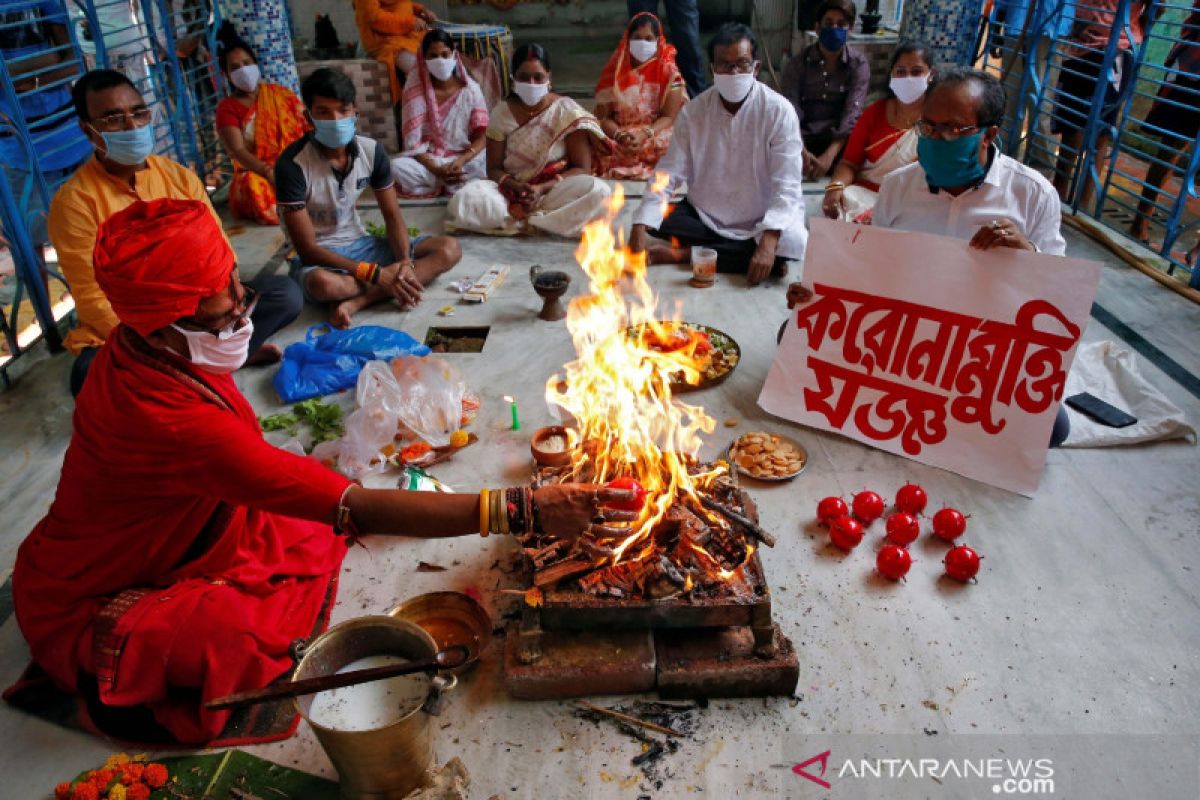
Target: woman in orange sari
[
  {"x": 637, "y": 98},
  {"x": 255, "y": 124}
]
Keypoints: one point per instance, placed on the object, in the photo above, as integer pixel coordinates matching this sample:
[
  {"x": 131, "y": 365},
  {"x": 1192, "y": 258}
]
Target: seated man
[
  {"x": 737, "y": 146},
  {"x": 963, "y": 186},
  {"x": 827, "y": 84},
  {"x": 115, "y": 118},
  {"x": 183, "y": 554},
  {"x": 318, "y": 180}
]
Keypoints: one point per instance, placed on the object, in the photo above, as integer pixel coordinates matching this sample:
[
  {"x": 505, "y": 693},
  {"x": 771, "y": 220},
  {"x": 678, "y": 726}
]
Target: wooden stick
[
  {"x": 641, "y": 723},
  {"x": 443, "y": 660},
  {"x": 733, "y": 516},
  {"x": 563, "y": 569}
]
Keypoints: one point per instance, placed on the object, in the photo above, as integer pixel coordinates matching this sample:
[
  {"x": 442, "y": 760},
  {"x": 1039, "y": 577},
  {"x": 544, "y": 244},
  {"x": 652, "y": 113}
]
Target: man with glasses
[
  {"x": 827, "y": 84},
  {"x": 962, "y": 185},
  {"x": 183, "y": 553},
  {"x": 737, "y": 147},
  {"x": 120, "y": 126}
]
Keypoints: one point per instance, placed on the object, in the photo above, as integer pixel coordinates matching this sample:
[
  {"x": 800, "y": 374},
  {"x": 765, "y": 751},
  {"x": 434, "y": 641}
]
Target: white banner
[{"x": 922, "y": 346}]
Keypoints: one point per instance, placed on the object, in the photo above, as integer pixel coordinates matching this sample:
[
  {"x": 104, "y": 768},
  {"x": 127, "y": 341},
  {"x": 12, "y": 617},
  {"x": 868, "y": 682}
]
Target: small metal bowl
[
  {"x": 731, "y": 454},
  {"x": 450, "y": 618}
]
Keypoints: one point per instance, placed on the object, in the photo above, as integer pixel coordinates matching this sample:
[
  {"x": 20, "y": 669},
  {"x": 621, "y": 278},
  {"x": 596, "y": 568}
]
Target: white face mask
[
  {"x": 441, "y": 68},
  {"x": 531, "y": 93},
  {"x": 734, "y": 88},
  {"x": 911, "y": 89},
  {"x": 643, "y": 50},
  {"x": 246, "y": 78},
  {"x": 221, "y": 354}
]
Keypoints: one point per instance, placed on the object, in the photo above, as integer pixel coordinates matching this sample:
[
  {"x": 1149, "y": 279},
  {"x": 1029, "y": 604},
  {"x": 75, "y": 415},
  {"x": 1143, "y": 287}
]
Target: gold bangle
[
  {"x": 834, "y": 185},
  {"x": 483, "y": 513},
  {"x": 499, "y": 512}
]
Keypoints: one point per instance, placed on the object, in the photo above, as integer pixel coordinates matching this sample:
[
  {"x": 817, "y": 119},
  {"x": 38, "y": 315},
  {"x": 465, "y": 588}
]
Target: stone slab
[
  {"x": 581, "y": 664},
  {"x": 720, "y": 662}
]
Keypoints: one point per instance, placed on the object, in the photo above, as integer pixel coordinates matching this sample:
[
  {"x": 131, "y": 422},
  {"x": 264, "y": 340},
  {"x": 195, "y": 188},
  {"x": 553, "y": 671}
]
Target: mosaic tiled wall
[
  {"x": 374, "y": 97},
  {"x": 949, "y": 27},
  {"x": 264, "y": 24}
]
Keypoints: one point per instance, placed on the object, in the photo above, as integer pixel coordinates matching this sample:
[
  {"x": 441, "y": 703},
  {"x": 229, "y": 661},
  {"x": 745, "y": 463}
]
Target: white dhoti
[
  {"x": 414, "y": 180},
  {"x": 563, "y": 211}
]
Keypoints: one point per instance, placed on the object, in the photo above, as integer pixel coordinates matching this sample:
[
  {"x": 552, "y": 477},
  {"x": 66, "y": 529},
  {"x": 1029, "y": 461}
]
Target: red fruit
[
  {"x": 949, "y": 524},
  {"x": 911, "y": 499},
  {"x": 962, "y": 563},
  {"x": 893, "y": 562},
  {"x": 902, "y": 529},
  {"x": 627, "y": 505},
  {"x": 830, "y": 509},
  {"x": 868, "y": 507},
  {"x": 845, "y": 532}
]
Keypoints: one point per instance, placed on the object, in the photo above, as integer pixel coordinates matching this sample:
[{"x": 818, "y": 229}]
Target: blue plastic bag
[{"x": 329, "y": 361}]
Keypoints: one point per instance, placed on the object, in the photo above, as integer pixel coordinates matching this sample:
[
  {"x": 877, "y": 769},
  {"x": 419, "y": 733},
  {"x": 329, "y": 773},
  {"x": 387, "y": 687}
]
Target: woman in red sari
[
  {"x": 639, "y": 94},
  {"x": 255, "y": 123}
]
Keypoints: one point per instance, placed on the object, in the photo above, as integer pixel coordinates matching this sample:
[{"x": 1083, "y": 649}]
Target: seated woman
[
  {"x": 637, "y": 98},
  {"x": 539, "y": 161},
  {"x": 445, "y": 117},
  {"x": 255, "y": 124},
  {"x": 883, "y": 139}
]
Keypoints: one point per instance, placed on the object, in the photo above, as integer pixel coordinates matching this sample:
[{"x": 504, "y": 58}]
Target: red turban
[{"x": 156, "y": 260}]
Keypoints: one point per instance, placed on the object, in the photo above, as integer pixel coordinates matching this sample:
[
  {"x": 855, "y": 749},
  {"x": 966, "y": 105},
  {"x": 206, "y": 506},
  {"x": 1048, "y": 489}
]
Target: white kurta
[
  {"x": 743, "y": 170},
  {"x": 1010, "y": 191}
]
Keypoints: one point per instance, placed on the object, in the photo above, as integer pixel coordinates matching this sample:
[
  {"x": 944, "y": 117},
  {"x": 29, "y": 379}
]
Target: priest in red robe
[{"x": 183, "y": 553}]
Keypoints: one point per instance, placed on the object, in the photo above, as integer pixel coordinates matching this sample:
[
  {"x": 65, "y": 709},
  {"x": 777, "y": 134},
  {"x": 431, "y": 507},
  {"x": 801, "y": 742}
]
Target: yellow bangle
[
  {"x": 499, "y": 512},
  {"x": 483, "y": 513},
  {"x": 834, "y": 185}
]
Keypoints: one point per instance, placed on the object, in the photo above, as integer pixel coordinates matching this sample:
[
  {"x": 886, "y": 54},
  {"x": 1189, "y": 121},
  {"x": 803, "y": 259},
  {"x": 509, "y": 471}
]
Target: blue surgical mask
[
  {"x": 128, "y": 147},
  {"x": 951, "y": 163},
  {"x": 833, "y": 38},
  {"x": 334, "y": 133}
]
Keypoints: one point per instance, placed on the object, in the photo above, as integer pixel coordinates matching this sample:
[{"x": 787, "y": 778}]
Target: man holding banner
[{"x": 962, "y": 185}]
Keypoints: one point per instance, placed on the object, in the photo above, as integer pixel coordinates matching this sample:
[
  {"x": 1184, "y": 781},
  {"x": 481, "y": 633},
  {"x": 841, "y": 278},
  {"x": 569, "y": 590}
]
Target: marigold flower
[
  {"x": 101, "y": 778},
  {"x": 63, "y": 791},
  {"x": 115, "y": 760},
  {"x": 139, "y": 791},
  {"x": 118, "y": 792},
  {"x": 86, "y": 791},
  {"x": 132, "y": 772},
  {"x": 155, "y": 775},
  {"x": 459, "y": 438}
]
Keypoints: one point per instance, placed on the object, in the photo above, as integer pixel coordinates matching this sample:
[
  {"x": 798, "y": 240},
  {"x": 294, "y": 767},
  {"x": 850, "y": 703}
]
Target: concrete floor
[{"x": 1080, "y": 639}]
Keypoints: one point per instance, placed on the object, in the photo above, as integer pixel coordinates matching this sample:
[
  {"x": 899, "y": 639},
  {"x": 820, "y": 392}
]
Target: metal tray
[{"x": 772, "y": 478}]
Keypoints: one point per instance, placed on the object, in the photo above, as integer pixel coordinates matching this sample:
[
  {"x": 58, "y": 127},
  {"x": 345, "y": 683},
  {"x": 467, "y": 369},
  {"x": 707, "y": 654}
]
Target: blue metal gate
[
  {"x": 166, "y": 47},
  {"x": 1101, "y": 88}
]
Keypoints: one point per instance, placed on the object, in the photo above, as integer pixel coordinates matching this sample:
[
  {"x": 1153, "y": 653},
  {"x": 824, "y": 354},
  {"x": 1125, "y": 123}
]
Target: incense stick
[{"x": 632, "y": 720}]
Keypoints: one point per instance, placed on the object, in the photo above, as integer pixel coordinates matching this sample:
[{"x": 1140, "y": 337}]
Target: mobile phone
[{"x": 1102, "y": 412}]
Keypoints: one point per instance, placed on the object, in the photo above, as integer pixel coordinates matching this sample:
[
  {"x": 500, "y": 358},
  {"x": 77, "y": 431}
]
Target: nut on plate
[{"x": 767, "y": 456}]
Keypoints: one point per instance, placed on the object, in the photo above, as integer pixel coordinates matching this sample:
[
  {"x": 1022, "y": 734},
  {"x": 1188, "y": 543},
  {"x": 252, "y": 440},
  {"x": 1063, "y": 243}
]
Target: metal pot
[{"x": 385, "y": 763}]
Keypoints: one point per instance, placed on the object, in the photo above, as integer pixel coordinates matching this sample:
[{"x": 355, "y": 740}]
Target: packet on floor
[{"x": 415, "y": 479}]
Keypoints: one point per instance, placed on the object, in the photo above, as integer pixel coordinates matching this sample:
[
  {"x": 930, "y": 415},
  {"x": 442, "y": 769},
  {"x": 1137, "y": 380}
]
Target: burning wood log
[
  {"x": 625, "y": 577},
  {"x": 554, "y": 573},
  {"x": 735, "y": 517}
]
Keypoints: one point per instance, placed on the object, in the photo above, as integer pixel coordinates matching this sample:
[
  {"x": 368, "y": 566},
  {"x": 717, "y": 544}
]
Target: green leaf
[{"x": 216, "y": 774}]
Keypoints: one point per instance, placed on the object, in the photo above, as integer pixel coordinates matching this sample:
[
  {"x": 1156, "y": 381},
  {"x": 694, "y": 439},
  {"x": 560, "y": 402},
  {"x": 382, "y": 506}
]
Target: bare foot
[
  {"x": 267, "y": 354},
  {"x": 665, "y": 254},
  {"x": 340, "y": 316}
]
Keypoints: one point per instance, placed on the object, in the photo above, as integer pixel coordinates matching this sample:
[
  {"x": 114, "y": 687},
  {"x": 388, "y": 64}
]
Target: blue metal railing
[
  {"x": 1110, "y": 162},
  {"x": 142, "y": 40}
]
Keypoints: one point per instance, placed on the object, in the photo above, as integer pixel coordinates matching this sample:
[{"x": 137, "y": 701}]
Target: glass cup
[{"x": 704, "y": 265}]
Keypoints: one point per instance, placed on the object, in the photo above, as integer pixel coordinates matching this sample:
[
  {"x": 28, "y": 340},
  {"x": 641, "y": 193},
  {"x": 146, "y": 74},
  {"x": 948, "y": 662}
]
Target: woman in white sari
[
  {"x": 539, "y": 161},
  {"x": 883, "y": 139},
  {"x": 445, "y": 117}
]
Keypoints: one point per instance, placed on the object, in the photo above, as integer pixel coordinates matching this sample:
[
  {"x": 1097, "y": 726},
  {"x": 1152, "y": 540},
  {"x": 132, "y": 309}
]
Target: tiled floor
[{"x": 1086, "y": 619}]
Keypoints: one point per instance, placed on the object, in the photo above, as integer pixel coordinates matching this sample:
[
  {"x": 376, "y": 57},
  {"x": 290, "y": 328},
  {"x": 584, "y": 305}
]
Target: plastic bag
[
  {"x": 369, "y": 428},
  {"x": 329, "y": 361},
  {"x": 430, "y": 400}
]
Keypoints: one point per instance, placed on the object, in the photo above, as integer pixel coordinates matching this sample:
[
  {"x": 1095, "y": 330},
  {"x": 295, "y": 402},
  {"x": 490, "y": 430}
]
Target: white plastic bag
[
  {"x": 370, "y": 427},
  {"x": 430, "y": 397}
]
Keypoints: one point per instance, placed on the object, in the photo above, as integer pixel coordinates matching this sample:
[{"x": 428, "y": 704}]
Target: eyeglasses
[
  {"x": 735, "y": 68},
  {"x": 937, "y": 130},
  {"x": 121, "y": 120},
  {"x": 249, "y": 302}
]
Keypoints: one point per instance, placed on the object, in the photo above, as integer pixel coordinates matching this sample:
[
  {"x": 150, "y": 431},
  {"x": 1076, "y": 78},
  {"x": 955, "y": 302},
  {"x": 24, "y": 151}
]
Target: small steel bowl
[{"x": 450, "y": 618}]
